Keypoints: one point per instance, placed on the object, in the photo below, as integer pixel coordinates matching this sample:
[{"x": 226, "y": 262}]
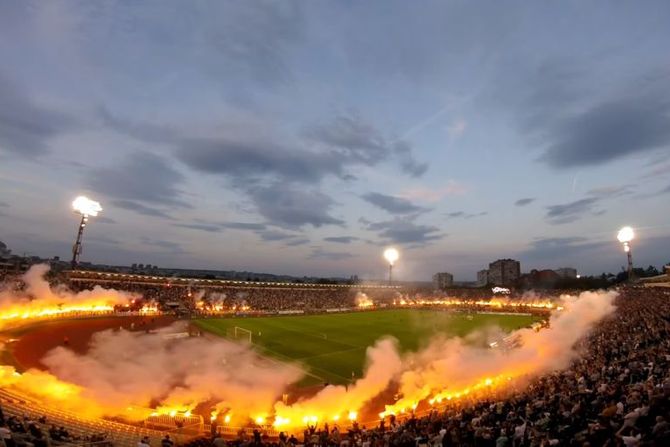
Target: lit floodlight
[
  {"x": 626, "y": 234},
  {"x": 86, "y": 207},
  {"x": 391, "y": 255}
]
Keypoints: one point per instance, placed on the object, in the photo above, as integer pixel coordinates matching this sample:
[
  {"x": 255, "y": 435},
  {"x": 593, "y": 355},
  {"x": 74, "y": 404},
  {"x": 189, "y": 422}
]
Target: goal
[{"x": 242, "y": 334}]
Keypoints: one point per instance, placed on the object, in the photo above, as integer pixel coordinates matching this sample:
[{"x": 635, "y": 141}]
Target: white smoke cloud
[
  {"x": 38, "y": 292},
  {"x": 124, "y": 368}
]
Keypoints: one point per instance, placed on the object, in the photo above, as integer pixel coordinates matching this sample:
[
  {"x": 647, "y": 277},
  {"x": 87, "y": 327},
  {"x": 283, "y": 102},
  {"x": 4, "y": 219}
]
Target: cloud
[
  {"x": 249, "y": 40},
  {"x": 562, "y": 249},
  {"x": 105, "y": 220},
  {"x": 572, "y": 211},
  {"x": 453, "y": 188},
  {"x": 274, "y": 235},
  {"x": 201, "y": 227},
  {"x": 403, "y": 230},
  {"x": 141, "y": 209},
  {"x": 26, "y": 127},
  {"x": 141, "y": 130},
  {"x": 464, "y": 215},
  {"x": 269, "y": 172},
  {"x": 287, "y": 206},
  {"x": 525, "y": 201},
  {"x": 169, "y": 246},
  {"x": 341, "y": 239},
  {"x": 407, "y": 162},
  {"x": 256, "y": 158},
  {"x": 244, "y": 226},
  {"x": 143, "y": 177},
  {"x": 658, "y": 170},
  {"x": 4, "y": 204},
  {"x": 217, "y": 227},
  {"x": 247, "y": 152},
  {"x": 358, "y": 142},
  {"x": 296, "y": 242},
  {"x": 320, "y": 253},
  {"x": 394, "y": 205},
  {"x": 289, "y": 239},
  {"x": 611, "y": 191},
  {"x": 610, "y": 130}
]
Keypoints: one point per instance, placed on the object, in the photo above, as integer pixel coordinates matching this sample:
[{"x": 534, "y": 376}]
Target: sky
[{"x": 305, "y": 137}]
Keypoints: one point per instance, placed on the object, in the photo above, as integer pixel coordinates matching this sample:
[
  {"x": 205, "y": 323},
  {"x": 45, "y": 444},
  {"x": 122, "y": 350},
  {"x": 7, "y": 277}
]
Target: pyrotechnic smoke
[
  {"x": 39, "y": 299},
  {"x": 124, "y": 369},
  {"x": 450, "y": 368},
  {"x": 127, "y": 369},
  {"x": 383, "y": 365}
]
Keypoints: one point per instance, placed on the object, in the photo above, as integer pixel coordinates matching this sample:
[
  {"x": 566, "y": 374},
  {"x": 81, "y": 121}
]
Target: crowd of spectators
[
  {"x": 616, "y": 393},
  {"x": 268, "y": 298},
  {"x": 257, "y": 297},
  {"x": 28, "y": 432}
]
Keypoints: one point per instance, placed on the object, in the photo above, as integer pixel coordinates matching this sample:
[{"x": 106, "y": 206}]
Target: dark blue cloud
[
  {"x": 394, "y": 205},
  {"x": 26, "y": 127},
  {"x": 141, "y": 209},
  {"x": 201, "y": 227},
  {"x": 525, "y": 201},
  {"x": 611, "y": 130},
  {"x": 464, "y": 215},
  {"x": 404, "y": 230},
  {"x": 341, "y": 239},
  {"x": 572, "y": 211},
  {"x": 140, "y": 177},
  {"x": 320, "y": 253}
]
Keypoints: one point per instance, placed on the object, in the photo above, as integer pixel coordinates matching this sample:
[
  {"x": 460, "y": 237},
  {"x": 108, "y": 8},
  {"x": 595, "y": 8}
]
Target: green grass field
[{"x": 332, "y": 346}]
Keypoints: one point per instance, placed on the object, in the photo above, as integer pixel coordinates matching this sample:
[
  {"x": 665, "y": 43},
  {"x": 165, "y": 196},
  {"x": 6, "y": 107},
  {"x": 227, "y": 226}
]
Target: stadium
[
  {"x": 285, "y": 223},
  {"x": 277, "y": 359}
]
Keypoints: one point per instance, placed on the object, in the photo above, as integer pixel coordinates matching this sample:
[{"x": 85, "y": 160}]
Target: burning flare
[{"x": 124, "y": 373}]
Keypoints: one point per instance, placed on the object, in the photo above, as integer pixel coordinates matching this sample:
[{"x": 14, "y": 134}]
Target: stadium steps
[{"x": 121, "y": 435}]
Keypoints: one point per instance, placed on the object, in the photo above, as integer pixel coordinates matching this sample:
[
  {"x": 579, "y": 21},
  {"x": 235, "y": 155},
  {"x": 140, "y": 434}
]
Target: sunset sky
[{"x": 304, "y": 137}]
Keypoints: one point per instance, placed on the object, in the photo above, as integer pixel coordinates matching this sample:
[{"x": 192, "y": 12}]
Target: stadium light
[
  {"x": 86, "y": 208},
  {"x": 391, "y": 255},
  {"x": 625, "y": 236}
]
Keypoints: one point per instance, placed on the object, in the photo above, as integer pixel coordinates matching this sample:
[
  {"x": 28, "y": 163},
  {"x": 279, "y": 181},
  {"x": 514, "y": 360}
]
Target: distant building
[
  {"x": 540, "y": 278},
  {"x": 567, "y": 272},
  {"x": 442, "y": 280},
  {"x": 482, "y": 277},
  {"x": 504, "y": 272}
]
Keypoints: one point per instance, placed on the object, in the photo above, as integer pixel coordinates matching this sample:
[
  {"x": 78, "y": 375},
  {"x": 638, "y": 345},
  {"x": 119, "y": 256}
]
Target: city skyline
[{"x": 304, "y": 138}]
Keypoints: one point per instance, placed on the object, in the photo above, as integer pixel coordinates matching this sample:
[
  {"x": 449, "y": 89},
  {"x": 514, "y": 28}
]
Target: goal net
[{"x": 239, "y": 333}]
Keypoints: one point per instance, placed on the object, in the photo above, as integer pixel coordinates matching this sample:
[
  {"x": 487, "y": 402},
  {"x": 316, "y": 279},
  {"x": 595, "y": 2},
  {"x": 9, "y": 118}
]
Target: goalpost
[{"x": 240, "y": 332}]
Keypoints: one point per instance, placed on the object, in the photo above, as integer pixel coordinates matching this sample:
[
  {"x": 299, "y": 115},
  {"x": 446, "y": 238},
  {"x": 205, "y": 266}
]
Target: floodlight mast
[
  {"x": 391, "y": 255},
  {"x": 625, "y": 236},
  {"x": 85, "y": 207}
]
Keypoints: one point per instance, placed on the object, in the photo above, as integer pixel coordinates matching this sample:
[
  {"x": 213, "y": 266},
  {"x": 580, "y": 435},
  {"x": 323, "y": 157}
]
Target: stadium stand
[{"x": 616, "y": 393}]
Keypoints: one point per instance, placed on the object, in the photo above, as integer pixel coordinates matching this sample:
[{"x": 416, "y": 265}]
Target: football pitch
[{"x": 331, "y": 347}]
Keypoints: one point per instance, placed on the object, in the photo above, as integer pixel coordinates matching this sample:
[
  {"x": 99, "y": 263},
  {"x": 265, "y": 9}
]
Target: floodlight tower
[
  {"x": 391, "y": 255},
  {"x": 625, "y": 235},
  {"x": 86, "y": 208}
]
